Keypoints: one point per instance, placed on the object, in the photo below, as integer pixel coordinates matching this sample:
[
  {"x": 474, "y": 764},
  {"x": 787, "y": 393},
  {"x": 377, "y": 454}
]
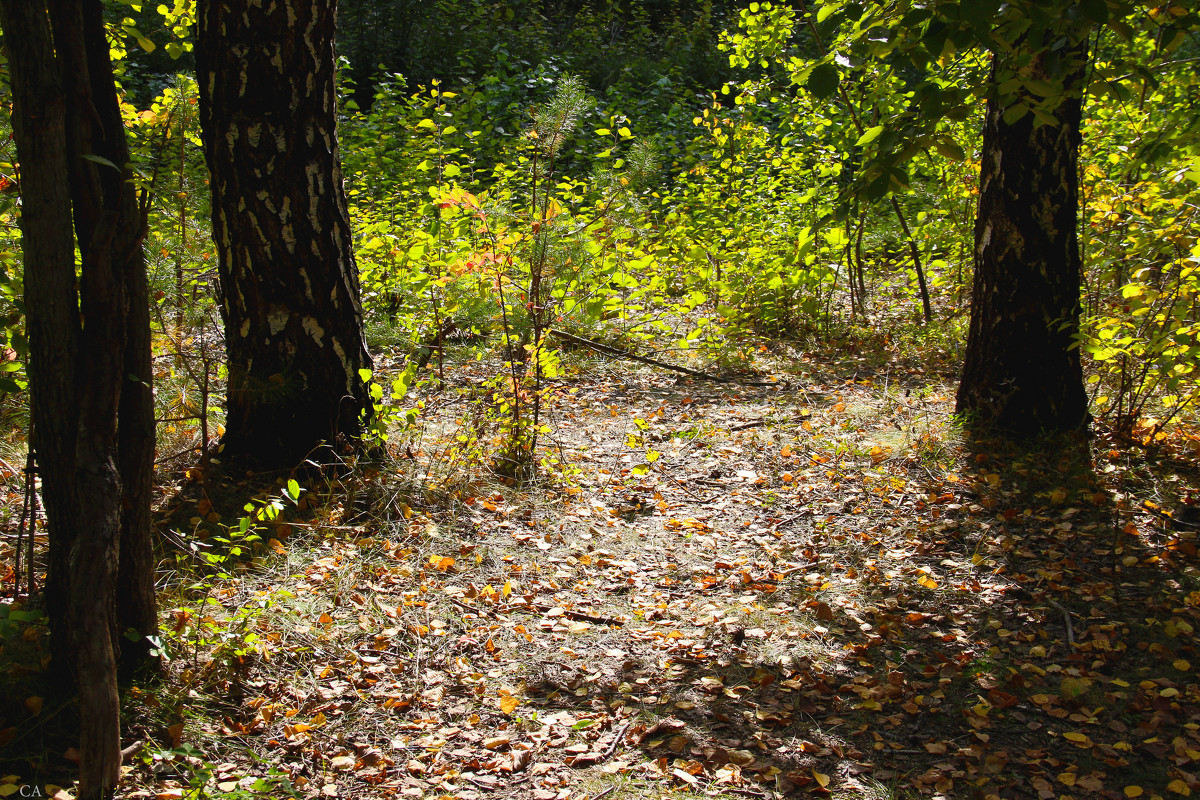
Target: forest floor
[{"x": 816, "y": 588}]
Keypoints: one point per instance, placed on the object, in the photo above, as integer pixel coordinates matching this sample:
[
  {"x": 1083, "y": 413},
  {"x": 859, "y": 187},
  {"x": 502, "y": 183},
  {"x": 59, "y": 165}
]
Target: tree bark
[
  {"x": 1022, "y": 371},
  {"x": 48, "y": 243},
  {"x": 136, "y": 605},
  {"x": 70, "y": 142},
  {"x": 289, "y": 287}
]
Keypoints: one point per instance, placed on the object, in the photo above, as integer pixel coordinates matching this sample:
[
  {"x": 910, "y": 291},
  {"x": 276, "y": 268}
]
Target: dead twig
[
  {"x": 616, "y": 742},
  {"x": 569, "y": 614},
  {"x": 617, "y": 352},
  {"x": 1066, "y": 620}
]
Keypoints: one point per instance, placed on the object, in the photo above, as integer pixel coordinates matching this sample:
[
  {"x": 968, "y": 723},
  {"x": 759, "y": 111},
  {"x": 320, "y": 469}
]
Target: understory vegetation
[{"x": 664, "y": 495}]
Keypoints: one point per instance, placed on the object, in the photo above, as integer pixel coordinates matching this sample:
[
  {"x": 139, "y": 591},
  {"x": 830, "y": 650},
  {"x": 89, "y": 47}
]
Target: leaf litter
[{"x": 744, "y": 592}]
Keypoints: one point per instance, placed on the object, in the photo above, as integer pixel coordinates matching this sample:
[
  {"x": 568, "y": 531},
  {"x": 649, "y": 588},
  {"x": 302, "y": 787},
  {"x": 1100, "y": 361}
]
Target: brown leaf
[
  {"x": 585, "y": 760},
  {"x": 666, "y": 725},
  {"x": 520, "y": 760}
]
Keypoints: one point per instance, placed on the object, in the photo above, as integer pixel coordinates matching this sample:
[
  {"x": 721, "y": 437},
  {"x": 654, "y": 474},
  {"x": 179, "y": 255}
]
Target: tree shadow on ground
[{"x": 1047, "y": 652}]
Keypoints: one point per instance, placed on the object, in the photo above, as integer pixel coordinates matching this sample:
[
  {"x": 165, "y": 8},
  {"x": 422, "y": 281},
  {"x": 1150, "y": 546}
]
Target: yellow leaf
[
  {"x": 1182, "y": 664},
  {"x": 1133, "y": 791},
  {"x": 1179, "y": 787},
  {"x": 508, "y": 704},
  {"x": 1078, "y": 738},
  {"x": 821, "y": 778},
  {"x": 1068, "y": 778}
]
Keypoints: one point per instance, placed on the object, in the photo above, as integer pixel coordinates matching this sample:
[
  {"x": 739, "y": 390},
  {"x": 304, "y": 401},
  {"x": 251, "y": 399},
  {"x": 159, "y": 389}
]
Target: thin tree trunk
[
  {"x": 136, "y": 605},
  {"x": 915, "y": 251},
  {"x": 39, "y": 128},
  {"x": 288, "y": 281},
  {"x": 1022, "y": 371}
]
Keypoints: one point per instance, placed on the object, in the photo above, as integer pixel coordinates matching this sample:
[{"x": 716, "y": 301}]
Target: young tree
[
  {"x": 288, "y": 281},
  {"x": 89, "y": 358}
]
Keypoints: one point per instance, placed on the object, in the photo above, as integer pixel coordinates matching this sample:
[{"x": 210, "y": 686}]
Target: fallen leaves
[{"x": 777, "y": 609}]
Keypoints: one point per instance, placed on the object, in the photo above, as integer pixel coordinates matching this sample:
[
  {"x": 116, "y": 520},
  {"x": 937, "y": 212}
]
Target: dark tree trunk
[
  {"x": 288, "y": 282},
  {"x": 48, "y": 244},
  {"x": 1022, "y": 371},
  {"x": 137, "y": 609},
  {"x": 70, "y": 141}
]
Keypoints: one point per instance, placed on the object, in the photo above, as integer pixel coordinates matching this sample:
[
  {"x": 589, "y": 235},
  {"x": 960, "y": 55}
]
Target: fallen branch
[
  {"x": 1066, "y": 620},
  {"x": 128, "y": 753},
  {"x": 591, "y": 759},
  {"x": 576, "y": 615},
  {"x": 617, "y": 352},
  {"x": 616, "y": 742}
]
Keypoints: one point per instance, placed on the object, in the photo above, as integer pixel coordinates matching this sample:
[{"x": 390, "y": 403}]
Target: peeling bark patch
[
  {"x": 314, "y": 330},
  {"x": 277, "y": 319}
]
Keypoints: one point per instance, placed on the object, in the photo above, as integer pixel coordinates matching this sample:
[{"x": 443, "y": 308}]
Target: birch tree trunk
[
  {"x": 1022, "y": 371},
  {"x": 289, "y": 287}
]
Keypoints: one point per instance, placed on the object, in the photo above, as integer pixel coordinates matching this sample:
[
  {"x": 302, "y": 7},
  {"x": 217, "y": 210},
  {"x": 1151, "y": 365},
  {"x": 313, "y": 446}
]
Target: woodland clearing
[{"x": 816, "y": 588}]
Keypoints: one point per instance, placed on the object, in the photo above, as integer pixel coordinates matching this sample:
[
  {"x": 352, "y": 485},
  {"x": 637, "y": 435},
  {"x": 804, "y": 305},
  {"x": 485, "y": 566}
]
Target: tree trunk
[
  {"x": 48, "y": 244},
  {"x": 136, "y": 606},
  {"x": 70, "y": 142},
  {"x": 288, "y": 281},
  {"x": 1022, "y": 371}
]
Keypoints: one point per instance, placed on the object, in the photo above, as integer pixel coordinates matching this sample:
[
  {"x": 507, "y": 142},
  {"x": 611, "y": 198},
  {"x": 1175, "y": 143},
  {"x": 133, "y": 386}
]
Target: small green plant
[
  {"x": 204, "y": 781},
  {"x": 205, "y": 629},
  {"x": 385, "y": 418}
]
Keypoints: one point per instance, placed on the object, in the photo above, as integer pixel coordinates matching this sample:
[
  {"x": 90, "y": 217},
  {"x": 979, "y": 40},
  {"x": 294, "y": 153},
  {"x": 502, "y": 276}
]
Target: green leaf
[
  {"x": 950, "y": 149},
  {"x": 823, "y": 81},
  {"x": 100, "y": 160},
  {"x": 1015, "y": 112},
  {"x": 826, "y": 12},
  {"x": 1094, "y": 10},
  {"x": 870, "y": 136}
]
